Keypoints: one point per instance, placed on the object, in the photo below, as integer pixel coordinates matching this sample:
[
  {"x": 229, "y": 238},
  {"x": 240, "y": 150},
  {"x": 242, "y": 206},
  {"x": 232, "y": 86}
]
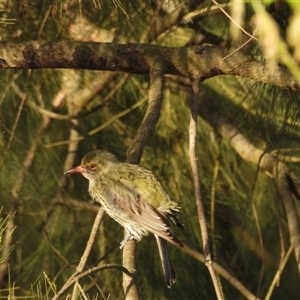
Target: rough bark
[{"x": 202, "y": 62}]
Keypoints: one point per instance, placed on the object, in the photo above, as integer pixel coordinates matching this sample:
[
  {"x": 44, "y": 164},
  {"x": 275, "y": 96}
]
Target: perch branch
[{"x": 134, "y": 154}]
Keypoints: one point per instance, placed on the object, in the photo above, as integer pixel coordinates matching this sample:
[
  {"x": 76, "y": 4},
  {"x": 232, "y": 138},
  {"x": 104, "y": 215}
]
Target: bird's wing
[
  {"x": 140, "y": 211},
  {"x": 152, "y": 220}
]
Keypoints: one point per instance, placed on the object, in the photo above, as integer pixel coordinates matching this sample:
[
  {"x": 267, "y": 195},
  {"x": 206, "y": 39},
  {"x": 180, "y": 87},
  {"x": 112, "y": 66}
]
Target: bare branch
[
  {"x": 278, "y": 273},
  {"x": 6, "y": 245},
  {"x": 232, "y": 20},
  {"x": 199, "y": 204}
]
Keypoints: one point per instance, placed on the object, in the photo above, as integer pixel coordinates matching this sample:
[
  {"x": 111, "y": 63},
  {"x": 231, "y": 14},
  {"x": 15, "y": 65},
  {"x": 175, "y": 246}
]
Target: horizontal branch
[{"x": 202, "y": 62}]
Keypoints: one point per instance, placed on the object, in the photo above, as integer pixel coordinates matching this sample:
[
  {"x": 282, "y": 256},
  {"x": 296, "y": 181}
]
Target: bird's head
[{"x": 94, "y": 163}]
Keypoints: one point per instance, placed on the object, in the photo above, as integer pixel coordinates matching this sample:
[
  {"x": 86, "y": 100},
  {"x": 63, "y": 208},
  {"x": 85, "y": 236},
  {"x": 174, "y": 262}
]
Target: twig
[
  {"x": 96, "y": 89},
  {"x": 258, "y": 227},
  {"x": 81, "y": 291},
  {"x": 91, "y": 241},
  {"x": 55, "y": 250},
  {"x": 278, "y": 273},
  {"x": 238, "y": 49},
  {"x": 153, "y": 18},
  {"x": 23, "y": 97},
  {"x": 44, "y": 20},
  {"x": 233, "y": 21},
  {"x": 199, "y": 12},
  {"x": 213, "y": 206},
  {"x": 6, "y": 246},
  {"x": 99, "y": 128}
]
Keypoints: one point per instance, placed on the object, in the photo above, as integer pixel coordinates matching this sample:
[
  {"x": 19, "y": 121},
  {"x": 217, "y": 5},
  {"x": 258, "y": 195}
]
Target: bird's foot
[{"x": 126, "y": 239}]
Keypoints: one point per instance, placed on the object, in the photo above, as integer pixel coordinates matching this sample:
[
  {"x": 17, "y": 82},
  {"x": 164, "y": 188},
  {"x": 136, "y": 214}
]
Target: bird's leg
[{"x": 126, "y": 239}]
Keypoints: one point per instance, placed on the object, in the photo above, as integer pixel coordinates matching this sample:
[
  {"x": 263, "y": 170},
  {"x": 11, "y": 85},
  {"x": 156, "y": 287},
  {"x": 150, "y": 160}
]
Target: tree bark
[{"x": 202, "y": 62}]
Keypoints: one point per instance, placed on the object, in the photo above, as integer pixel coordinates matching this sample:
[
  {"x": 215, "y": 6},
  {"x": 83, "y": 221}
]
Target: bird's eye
[{"x": 92, "y": 166}]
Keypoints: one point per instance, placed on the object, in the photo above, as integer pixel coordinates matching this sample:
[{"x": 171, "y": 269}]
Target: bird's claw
[{"x": 126, "y": 239}]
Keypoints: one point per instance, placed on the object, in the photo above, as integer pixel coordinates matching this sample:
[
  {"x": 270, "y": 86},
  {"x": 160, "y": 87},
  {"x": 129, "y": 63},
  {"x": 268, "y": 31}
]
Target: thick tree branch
[{"x": 201, "y": 62}]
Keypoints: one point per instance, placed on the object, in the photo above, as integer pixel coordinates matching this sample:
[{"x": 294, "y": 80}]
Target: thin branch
[
  {"x": 258, "y": 227},
  {"x": 74, "y": 279},
  {"x": 233, "y": 21},
  {"x": 76, "y": 204},
  {"x": 213, "y": 207},
  {"x": 207, "y": 11},
  {"x": 47, "y": 113},
  {"x": 238, "y": 48},
  {"x": 101, "y": 127},
  {"x": 108, "y": 97},
  {"x": 151, "y": 23},
  {"x": 221, "y": 271},
  {"x": 44, "y": 20},
  {"x": 196, "y": 179},
  {"x": 78, "y": 286},
  {"x": 278, "y": 274},
  {"x": 91, "y": 241},
  {"x": 79, "y": 270},
  {"x": 6, "y": 245},
  {"x": 55, "y": 250},
  {"x": 22, "y": 97}
]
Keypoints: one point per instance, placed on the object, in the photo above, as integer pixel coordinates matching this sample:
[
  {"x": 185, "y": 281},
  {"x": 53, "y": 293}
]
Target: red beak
[{"x": 78, "y": 169}]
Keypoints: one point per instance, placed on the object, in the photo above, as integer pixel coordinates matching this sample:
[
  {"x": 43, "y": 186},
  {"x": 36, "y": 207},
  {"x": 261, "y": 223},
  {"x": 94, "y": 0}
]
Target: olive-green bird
[{"x": 133, "y": 197}]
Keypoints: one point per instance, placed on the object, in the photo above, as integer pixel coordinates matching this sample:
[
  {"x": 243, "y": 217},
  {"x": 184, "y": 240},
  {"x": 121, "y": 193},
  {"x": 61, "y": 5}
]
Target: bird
[{"x": 133, "y": 196}]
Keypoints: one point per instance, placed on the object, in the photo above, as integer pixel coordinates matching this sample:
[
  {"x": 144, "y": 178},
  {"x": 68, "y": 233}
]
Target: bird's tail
[{"x": 169, "y": 272}]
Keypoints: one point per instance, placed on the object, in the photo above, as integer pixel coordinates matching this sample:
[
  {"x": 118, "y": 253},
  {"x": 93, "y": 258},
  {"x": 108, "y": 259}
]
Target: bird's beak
[{"x": 78, "y": 169}]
